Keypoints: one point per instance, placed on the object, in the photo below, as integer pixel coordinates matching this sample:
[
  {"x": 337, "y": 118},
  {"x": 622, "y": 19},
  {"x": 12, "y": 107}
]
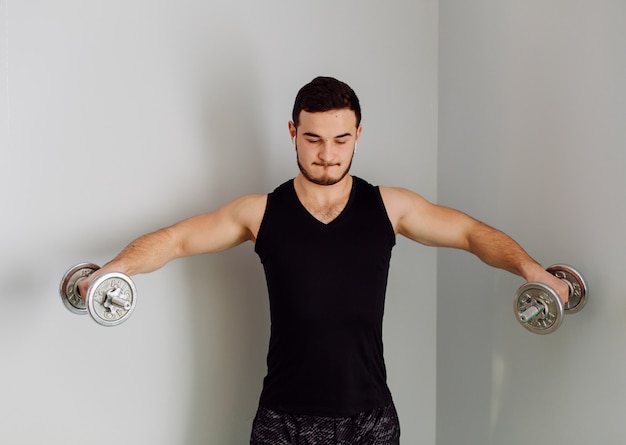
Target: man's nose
[{"x": 325, "y": 152}]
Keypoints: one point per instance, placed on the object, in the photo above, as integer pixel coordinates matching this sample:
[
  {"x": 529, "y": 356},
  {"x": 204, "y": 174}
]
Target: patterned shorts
[{"x": 378, "y": 427}]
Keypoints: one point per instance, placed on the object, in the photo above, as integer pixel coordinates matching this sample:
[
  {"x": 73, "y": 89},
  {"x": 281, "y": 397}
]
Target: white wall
[
  {"x": 531, "y": 140},
  {"x": 120, "y": 117}
]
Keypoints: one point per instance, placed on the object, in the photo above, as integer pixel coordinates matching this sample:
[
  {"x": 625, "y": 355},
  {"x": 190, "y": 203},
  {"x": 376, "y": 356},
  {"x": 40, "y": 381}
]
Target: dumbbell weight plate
[
  {"x": 69, "y": 290},
  {"x": 539, "y": 294},
  {"x": 110, "y": 286},
  {"x": 578, "y": 292}
]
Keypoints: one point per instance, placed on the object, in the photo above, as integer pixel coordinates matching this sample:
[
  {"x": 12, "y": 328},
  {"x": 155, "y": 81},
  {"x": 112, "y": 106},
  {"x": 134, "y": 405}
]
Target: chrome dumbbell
[
  {"x": 110, "y": 299},
  {"x": 538, "y": 307}
]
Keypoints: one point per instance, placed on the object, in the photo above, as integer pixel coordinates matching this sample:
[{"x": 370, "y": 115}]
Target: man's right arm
[{"x": 227, "y": 227}]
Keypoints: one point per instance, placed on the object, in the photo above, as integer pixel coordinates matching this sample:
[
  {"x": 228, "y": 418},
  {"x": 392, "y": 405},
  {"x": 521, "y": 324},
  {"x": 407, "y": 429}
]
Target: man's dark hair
[{"x": 325, "y": 94}]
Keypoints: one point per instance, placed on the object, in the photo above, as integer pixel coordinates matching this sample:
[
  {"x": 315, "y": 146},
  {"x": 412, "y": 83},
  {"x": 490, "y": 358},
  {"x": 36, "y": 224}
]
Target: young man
[{"x": 325, "y": 240}]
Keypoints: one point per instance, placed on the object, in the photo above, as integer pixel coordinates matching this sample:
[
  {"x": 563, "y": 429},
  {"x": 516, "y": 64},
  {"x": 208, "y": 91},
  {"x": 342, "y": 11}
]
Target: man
[{"x": 325, "y": 240}]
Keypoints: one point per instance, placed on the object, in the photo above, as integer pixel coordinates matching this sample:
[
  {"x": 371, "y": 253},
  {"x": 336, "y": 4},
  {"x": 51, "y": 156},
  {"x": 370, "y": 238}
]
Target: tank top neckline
[{"x": 335, "y": 220}]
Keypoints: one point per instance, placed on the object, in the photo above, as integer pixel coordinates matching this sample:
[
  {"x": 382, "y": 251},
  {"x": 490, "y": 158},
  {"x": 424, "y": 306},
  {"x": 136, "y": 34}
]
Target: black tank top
[{"x": 326, "y": 286}]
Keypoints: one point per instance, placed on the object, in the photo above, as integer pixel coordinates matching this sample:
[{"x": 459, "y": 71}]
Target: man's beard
[{"x": 325, "y": 179}]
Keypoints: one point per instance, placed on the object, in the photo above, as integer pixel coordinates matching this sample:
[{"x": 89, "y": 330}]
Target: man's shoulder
[{"x": 248, "y": 207}]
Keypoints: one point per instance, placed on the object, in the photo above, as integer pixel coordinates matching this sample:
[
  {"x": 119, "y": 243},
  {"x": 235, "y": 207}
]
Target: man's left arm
[{"x": 433, "y": 225}]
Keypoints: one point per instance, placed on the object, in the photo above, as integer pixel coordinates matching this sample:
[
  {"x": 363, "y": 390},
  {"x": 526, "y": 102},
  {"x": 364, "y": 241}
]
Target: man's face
[{"x": 325, "y": 144}]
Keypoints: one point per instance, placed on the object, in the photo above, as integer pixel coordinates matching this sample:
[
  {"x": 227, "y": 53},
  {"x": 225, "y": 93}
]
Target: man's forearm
[
  {"x": 146, "y": 254},
  {"x": 497, "y": 249}
]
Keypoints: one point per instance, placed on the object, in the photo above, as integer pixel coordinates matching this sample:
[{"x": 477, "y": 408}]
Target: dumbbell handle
[
  {"x": 113, "y": 298},
  {"x": 531, "y": 313}
]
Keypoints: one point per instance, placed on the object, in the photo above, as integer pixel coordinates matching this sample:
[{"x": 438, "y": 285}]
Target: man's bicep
[
  {"x": 424, "y": 222},
  {"x": 227, "y": 227},
  {"x": 440, "y": 226}
]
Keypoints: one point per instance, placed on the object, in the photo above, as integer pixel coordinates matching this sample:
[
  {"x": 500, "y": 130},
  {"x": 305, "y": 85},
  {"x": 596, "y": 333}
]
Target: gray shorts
[{"x": 378, "y": 427}]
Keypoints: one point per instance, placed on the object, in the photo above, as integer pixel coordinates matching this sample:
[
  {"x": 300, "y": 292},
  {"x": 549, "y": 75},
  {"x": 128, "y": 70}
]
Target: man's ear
[
  {"x": 358, "y": 132},
  {"x": 292, "y": 131}
]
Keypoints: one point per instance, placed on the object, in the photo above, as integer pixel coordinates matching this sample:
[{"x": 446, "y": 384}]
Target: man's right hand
[{"x": 83, "y": 285}]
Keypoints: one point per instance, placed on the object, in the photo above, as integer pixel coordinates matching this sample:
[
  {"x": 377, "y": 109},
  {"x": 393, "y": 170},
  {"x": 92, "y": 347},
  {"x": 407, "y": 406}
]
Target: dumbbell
[
  {"x": 110, "y": 299},
  {"x": 538, "y": 307}
]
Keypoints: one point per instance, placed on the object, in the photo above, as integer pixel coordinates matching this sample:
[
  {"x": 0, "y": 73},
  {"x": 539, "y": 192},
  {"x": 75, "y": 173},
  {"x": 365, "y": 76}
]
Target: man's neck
[{"x": 324, "y": 202}]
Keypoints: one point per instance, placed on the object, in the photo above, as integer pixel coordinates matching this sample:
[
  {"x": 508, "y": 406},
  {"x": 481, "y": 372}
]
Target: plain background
[
  {"x": 532, "y": 139},
  {"x": 118, "y": 118}
]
